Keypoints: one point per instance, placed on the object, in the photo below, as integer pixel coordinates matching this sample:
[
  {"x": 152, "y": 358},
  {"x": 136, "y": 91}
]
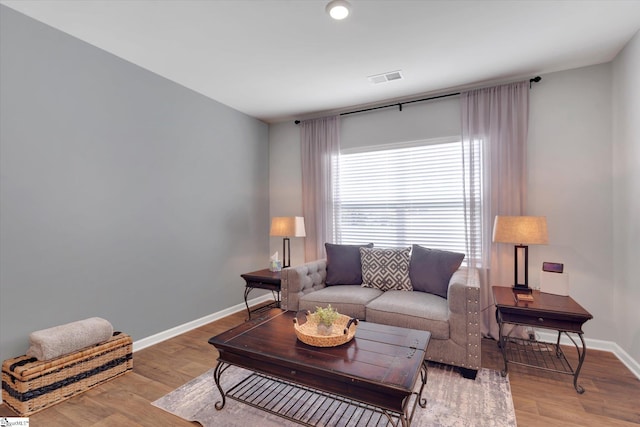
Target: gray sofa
[{"x": 454, "y": 321}]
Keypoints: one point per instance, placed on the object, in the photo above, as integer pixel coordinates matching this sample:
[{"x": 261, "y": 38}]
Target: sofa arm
[
  {"x": 464, "y": 313},
  {"x": 300, "y": 280}
]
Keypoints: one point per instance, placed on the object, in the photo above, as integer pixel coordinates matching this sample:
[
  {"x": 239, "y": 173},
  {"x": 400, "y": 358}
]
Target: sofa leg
[{"x": 469, "y": 374}]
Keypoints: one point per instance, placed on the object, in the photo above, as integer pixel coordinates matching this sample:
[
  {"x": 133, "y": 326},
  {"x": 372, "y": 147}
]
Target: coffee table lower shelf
[{"x": 311, "y": 407}]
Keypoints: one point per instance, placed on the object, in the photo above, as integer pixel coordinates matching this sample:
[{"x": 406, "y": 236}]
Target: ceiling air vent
[{"x": 385, "y": 77}]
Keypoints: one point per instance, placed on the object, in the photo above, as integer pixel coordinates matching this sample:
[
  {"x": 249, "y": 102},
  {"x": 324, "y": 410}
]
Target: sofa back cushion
[
  {"x": 343, "y": 264},
  {"x": 386, "y": 269},
  {"x": 431, "y": 269}
]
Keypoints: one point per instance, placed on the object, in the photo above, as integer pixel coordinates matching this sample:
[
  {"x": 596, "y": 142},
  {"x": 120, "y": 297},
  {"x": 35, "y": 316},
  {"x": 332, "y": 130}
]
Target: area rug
[{"x": 451, "y": 401}]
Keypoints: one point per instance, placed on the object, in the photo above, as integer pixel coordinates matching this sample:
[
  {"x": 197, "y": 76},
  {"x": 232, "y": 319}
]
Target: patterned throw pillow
[{"x": 386, "y": 269}]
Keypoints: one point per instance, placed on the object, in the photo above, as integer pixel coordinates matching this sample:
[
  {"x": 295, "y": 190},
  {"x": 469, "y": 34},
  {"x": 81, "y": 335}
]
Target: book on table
[{"x": 522, "y": 296}]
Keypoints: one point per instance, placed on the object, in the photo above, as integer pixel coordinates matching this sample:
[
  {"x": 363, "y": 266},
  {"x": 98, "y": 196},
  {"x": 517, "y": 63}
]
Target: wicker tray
[{"x": 344, "y": 329}]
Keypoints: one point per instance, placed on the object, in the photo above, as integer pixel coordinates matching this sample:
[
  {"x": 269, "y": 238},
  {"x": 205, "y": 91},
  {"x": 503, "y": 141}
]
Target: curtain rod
[{"x": 536, "y": 79}]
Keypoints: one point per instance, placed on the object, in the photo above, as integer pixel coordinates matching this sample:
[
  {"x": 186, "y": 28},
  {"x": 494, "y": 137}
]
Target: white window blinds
[{"x": 398, "y": 195}]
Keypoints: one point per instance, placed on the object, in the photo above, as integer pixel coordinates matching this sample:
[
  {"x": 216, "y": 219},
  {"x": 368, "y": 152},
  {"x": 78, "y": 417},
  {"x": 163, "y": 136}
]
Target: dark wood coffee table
[{"x": 378, "y": 368}]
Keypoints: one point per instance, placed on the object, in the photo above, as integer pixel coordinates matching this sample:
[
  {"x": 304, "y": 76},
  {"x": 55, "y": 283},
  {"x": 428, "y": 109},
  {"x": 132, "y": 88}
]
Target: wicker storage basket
[
  {"x": 344, "y": 330},
  {"x": 29, "y": 385}
]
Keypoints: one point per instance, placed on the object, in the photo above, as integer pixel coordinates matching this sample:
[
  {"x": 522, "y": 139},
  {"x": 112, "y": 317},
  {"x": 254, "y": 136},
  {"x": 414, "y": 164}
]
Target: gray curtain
[
  {"x": 495, "y": 123},
  {"x": 320, "y": 148}
]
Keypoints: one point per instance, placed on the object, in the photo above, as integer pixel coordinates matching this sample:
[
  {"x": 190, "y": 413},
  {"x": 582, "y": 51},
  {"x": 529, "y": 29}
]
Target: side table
[
  {"x": 547, "y": 311},
  {"x": 262, "y": 279}
]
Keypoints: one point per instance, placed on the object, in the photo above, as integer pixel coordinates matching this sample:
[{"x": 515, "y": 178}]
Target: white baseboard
[
  {"x": 186, "y": 327},
  {"x": 595, "y": 344}
]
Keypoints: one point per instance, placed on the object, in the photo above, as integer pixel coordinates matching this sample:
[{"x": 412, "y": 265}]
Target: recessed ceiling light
[{"x": 338, "y": 9}]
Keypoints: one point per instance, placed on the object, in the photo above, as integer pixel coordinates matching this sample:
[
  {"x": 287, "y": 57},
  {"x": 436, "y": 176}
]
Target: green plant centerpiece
[{"x": 325, "y": 317}]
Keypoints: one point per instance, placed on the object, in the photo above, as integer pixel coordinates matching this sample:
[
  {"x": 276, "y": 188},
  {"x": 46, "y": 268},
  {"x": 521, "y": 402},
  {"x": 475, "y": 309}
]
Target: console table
[
  {"x": 547, "y": 311},
  {"x": 262, "y": 279}
]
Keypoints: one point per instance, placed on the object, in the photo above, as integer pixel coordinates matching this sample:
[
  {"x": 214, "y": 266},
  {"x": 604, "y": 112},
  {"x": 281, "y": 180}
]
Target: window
[{"x": 402, "y": 194}]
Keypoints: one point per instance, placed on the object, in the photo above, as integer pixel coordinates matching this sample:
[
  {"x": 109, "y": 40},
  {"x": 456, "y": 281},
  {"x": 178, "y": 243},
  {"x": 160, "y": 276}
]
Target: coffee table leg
[
  {"x": 217, "y": 373},
  {"x": 423, "y": 375},
  {"x": 405, "y": 417}
]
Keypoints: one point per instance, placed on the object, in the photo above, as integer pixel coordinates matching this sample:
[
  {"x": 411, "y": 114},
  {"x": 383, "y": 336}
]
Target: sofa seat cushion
[
  {"x": 346, "y": 299},
  {"x": 415, "y": 310}
]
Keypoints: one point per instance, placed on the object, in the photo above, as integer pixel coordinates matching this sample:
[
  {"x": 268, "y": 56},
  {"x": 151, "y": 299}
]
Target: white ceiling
[{"x": 283, "y": 59}]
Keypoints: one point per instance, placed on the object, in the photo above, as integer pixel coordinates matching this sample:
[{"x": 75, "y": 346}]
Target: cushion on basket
[
  {"x": 64, "y": 339},
  {"x": 386, "y": 269}
]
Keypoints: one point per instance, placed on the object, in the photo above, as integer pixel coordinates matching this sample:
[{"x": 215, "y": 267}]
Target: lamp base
[
  {"x": 522, "y": 289},
  {"x": 286, "y": 252}
]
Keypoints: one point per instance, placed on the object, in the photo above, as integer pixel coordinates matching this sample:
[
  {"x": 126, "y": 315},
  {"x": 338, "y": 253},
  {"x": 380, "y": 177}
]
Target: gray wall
[
  {"x": 626, "y": 195},
  {"x": 424, "y": 120},
  {"x": 569, "y": 180},
  {"x": 123, "y": 195}
]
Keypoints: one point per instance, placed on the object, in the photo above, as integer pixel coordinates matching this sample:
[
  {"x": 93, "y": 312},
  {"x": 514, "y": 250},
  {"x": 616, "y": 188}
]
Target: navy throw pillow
[
  {"x": 431, "y": 269},
  {"x": 343, "y": 264}
]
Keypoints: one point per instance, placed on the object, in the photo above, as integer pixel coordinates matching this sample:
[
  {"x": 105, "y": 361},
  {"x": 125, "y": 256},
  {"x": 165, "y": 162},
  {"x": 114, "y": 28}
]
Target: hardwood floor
[{"x": 612, "y": 396}]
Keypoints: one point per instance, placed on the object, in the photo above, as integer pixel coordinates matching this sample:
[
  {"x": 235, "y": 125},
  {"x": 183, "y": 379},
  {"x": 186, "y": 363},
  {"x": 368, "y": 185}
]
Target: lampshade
[
  {"x": 287, "y": 226},
  {"x": 522, "y": 230}
]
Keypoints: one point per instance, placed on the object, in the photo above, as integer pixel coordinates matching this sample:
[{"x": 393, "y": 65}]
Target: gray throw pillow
[
  {"x": 386, "y": 269},
  {"x": 431, "y": 269},
  {"x": 343, "y": 264}
]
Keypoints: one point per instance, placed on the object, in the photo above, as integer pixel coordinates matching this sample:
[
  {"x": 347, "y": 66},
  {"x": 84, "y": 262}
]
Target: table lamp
[
  {"x": 287, "y": 226},
  {"x": 521, "y": 231}
]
